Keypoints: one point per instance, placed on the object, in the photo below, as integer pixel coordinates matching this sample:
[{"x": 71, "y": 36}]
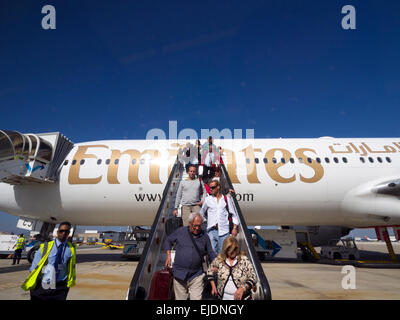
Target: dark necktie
[{"x": 58, "y": 256}]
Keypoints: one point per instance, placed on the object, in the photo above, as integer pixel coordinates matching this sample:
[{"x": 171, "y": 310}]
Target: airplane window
[
  {"x": 116, "y": 161},
  {"x": 256, "y": 160},
  {"x": 65, "y": 162},
  {"x": 247, "y": 160},
  {"x": 99, "y": 161},
  {"x": 309, "y": 160},
  {"x": 336, "y": 160},
  {"x": 133, "y": 161},
  {"x": 344, "y": 160},
  {"x": 283, "y": 160},
  {"x": 371, "y": 160},
  {"x": 362, "y": 159},
  {"x": 327, "y": 160},
  {"x": 265, "y": 160},
  {"x": 74, "y": 162},
  {"x": 318, "y": 160},
  {"x": 388, "y": 159},
  {"x": 291, "y": 160},
  {"x": 379, "y": 159},
  {"x": 274, "y": 160},
  {"x": 107, "y": 161},
  {"x": 82, "y": 161}
]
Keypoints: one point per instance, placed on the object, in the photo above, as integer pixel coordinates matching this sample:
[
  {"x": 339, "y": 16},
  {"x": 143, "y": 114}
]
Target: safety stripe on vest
[{"x": 31, "y": 281}]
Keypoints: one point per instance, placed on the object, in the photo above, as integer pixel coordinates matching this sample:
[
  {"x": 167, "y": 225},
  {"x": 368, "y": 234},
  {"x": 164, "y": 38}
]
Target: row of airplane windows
[
  {"x": 265, "y": 160},
  {"x": 319, "y": 160}
]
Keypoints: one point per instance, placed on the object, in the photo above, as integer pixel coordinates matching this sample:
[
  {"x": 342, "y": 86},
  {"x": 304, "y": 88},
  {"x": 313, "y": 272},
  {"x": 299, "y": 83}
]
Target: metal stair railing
[
  {"x": 263, "y": 290},
  {"x": 153, "y": 256}
]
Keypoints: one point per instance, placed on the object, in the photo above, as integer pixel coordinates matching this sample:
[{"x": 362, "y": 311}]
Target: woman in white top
[{"x": 235, "y": 273}]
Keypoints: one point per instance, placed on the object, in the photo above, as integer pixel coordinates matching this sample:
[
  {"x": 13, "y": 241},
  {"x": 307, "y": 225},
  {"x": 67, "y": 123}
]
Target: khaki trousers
[
  {"x": 193, "y": 288},
  {"x": 187, "y": 210}
]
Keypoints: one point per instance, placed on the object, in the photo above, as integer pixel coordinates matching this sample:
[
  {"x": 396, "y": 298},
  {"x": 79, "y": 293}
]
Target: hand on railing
[{"x": 234, "y": 231}]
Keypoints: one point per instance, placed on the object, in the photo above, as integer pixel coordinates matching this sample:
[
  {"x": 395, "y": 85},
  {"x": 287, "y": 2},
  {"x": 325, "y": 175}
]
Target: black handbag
[
  {"x": 172, "y": 224},
  {"x": 207, "y": 288}
]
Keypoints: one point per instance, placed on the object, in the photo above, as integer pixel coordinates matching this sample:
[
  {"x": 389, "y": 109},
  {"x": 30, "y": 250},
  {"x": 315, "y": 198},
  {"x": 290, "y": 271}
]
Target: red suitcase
[{"x": 161, "y": 285}]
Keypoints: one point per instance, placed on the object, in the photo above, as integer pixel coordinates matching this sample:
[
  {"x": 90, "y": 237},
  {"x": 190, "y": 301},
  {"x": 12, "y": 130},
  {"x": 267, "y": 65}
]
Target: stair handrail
[
  {"x": 265, "y": 288},
  {"x": 133, "y": 293}
]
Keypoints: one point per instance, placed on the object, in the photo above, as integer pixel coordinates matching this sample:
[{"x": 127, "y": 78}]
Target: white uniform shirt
[{"x": 217, "y": 213}]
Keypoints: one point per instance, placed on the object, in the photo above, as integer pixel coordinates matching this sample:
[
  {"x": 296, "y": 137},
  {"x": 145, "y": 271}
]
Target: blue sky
[{"x": 116, "y": 69}]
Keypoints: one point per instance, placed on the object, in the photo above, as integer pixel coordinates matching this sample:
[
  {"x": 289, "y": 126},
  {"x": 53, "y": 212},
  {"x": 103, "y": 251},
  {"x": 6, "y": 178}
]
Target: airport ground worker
[
  {"x": 57, "y": 256},
  {"x": 18, "y": 249}
]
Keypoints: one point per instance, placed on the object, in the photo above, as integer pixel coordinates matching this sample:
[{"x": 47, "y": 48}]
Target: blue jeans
[{"x": 216, "y": 240}]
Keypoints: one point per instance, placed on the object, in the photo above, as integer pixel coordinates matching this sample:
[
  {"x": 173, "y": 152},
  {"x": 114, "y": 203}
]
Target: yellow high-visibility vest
[
  {"x": 20, "y": 243},
  {"x": 30, "y": 282}
]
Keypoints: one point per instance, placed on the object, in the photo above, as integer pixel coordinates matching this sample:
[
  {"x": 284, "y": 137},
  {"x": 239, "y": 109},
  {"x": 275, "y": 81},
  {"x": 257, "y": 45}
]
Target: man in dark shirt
[{"x": 187, "y": 269}]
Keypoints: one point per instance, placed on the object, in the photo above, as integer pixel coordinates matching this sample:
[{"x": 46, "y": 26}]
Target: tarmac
[{"x": 103, "y": 274}]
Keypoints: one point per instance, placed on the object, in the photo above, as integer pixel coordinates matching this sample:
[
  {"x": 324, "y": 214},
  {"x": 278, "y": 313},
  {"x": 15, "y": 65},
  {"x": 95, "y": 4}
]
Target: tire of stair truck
[
  {"x": 31, "y": 253},
  {"x": 304, "y": 257},
  {"x": 261, "y": 256},
  {"x": 337, "y": 255}
]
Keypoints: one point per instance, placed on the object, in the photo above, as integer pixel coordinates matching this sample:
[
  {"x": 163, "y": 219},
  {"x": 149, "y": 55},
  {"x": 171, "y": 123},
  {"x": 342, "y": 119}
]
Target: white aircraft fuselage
[{"x": 277, "y": 182}]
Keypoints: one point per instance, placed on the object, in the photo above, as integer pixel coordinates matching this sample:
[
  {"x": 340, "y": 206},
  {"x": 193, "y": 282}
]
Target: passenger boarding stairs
[
  {"x": 31, "y": 158},
  {"x": 154, "y": 255}
]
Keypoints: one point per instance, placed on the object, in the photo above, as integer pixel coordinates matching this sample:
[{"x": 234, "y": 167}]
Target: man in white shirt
[{"x": 217, "y": 212}]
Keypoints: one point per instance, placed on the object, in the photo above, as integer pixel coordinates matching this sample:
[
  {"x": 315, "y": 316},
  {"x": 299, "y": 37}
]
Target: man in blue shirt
[
  {"x": 187, "y": 269},
  {"x": 59, "y": 256}
]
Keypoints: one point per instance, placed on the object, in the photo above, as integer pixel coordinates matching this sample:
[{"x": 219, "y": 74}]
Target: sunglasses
[
  {"x": 213, "y": 187},
  {"x": 196, "y": 226},
  {"x": 63, "y": 231}
]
